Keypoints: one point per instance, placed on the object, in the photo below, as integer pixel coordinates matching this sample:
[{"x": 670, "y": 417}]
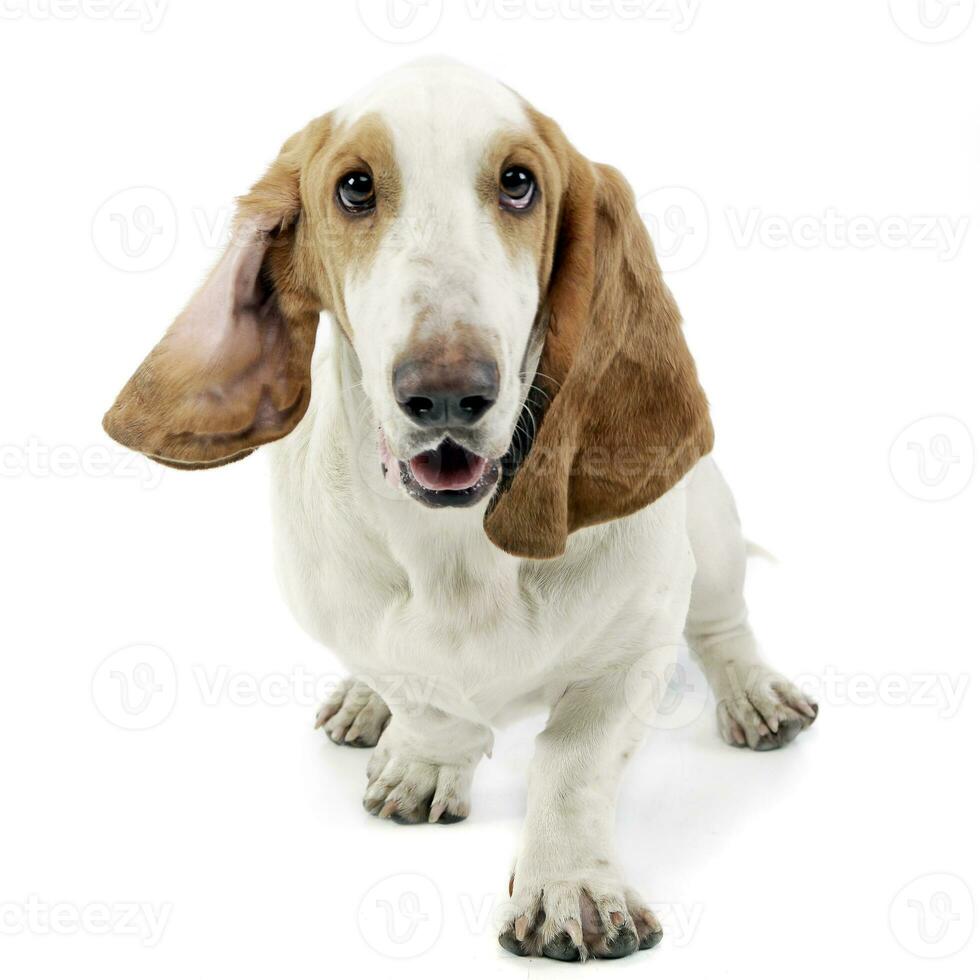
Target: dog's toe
[
  {"x": 563, "y": 948},
  {"x": 649, "y": 932},
  {"x": 767, "y": 715},
  {"x": 511, "y": 943},
  {"x": 625, "y": 943},
  {"x": 354, "y": 716}
]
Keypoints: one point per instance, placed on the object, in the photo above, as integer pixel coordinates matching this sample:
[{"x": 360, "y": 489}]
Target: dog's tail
[{"x": 753, "y": 550}]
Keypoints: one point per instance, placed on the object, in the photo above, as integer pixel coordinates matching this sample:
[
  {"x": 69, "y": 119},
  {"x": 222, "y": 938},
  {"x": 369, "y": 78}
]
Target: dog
[{"x": 497, "y": 492}]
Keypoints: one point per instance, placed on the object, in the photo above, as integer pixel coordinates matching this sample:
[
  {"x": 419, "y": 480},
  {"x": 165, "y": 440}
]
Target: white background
[{"x": 804, "y": 168}]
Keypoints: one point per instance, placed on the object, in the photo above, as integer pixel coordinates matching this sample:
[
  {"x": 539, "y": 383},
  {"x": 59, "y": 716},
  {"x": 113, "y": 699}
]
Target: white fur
[
  {"x": 455, "y": 635},
  {"x": 442, "y": 256}
]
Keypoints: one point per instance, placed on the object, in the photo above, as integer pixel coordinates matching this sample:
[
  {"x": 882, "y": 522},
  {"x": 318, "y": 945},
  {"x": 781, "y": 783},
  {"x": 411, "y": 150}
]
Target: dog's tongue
[{"x": 449, "y": 467}]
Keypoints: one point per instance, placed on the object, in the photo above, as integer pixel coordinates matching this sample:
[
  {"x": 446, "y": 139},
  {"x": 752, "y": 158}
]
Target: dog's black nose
[{"x": 431, "y": 393}]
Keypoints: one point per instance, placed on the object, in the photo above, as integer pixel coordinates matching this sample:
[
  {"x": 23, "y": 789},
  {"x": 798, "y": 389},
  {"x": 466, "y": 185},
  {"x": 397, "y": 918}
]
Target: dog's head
[{"x": 515, "y": 337}]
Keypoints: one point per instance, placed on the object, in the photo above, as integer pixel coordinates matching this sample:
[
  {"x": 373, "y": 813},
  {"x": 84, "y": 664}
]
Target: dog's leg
[
  {"x": 422, "y": 768},
  {"x": 570, "y": 900},
  {"x": 353, "y": 715},
  {"x": 756, "y": 706}
]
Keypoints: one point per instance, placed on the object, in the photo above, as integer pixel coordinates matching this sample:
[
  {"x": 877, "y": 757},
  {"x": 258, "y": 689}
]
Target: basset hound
[{"x": 492, "y": 487}]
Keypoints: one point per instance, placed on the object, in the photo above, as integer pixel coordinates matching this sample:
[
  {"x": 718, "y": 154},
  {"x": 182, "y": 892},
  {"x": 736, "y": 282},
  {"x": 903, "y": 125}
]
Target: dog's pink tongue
[{"x": 448, "y": 468}]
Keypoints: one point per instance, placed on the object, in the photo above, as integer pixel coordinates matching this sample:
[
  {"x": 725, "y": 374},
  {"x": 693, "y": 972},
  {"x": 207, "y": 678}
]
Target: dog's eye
[
  {"x": 356, "y": 191},
  {"x": 517, "y": 187}
]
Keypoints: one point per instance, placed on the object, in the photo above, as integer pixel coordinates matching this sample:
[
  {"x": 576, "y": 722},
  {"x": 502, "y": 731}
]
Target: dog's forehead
[{"x": 438, "y": 107}]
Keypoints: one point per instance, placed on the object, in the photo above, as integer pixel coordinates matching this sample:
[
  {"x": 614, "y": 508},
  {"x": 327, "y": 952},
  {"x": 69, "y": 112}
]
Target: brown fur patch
[
  {"x": 628, "y": 417},
  {"x": 446, "y": 348},
  {"x": 233, "y": 371},
  {"x": 343, "y": 243},
  {"x": 522, "y": 232}
]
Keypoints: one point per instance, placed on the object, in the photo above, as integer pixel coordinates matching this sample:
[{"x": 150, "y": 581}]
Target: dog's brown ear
[
  {"x": 233, "y": 371},
  {"x": 627, "y": 417}
]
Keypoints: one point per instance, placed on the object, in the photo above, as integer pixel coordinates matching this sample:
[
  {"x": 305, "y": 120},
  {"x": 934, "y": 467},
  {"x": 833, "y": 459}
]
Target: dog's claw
[
  {"x": 613, "y": 925},
  {"x": 625, "y": 943},
  {"x": 649, "y": 939},
  {"x": 563, "y": 948}
]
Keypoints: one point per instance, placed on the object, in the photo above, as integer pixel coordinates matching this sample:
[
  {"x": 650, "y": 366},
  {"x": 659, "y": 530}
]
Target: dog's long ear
[
  {"x": 627, "y": 417},
  {"x": 233, "y": 371}
]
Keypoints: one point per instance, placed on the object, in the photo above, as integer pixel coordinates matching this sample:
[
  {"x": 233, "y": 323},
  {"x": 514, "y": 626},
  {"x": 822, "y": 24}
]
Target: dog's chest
[
  {"x": 446, "y": 614},
  {"x": 423, "y": 605}
]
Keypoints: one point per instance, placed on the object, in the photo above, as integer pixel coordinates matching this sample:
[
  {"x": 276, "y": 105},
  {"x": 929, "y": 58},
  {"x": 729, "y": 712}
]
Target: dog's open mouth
[{"x": 448, "y": 476}]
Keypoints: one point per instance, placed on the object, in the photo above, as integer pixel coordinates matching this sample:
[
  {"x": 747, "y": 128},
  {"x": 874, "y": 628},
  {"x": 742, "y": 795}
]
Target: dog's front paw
[
  {"x": 766, "y": 712},
  {"x": 409, "y": 790},
  {"x": 577, "y": 918},
  {"x": 354, "y": 715}
]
